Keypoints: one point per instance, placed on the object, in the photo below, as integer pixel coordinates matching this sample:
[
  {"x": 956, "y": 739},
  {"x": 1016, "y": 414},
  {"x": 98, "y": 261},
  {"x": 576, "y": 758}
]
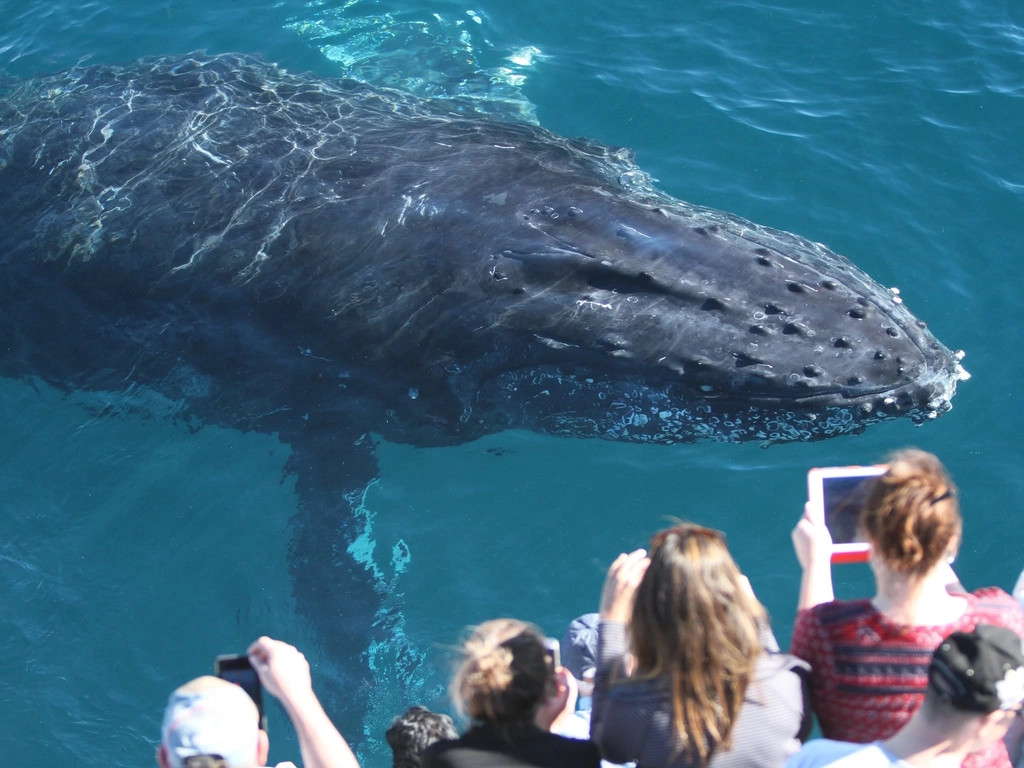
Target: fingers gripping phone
[
  {"x": 839, "y": 494},
  {"x": 237, "y": 669}
]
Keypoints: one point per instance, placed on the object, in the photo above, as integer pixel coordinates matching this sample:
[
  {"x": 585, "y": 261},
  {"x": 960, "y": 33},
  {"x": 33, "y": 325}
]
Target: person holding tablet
[{"x": 869, "y": 657}]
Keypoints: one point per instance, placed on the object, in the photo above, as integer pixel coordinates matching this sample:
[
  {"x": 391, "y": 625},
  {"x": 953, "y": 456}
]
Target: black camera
[{"x": 238, "y": 669}]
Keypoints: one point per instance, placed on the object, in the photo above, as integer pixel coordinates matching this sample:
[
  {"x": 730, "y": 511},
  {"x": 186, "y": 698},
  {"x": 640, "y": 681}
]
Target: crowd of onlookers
[{"x": 680, "y": 666}]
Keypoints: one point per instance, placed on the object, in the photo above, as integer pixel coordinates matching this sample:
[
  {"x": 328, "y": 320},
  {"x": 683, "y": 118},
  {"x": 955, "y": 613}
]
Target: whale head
[
  {"x": 647, "y": 319},
  {"x": 560, "y": 292}
]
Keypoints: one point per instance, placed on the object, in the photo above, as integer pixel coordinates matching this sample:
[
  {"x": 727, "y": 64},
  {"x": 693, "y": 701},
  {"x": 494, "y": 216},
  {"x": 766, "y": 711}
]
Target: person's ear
[
  {"x": 161, "y": 757},
  {"x": 262, "y": 747},
  {"x": 952, "y": 548}
]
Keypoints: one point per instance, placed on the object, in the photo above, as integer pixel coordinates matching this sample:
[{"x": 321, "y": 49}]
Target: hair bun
[
  {"x": 489, "y": 666},
  {"x": 503, "y": 676}
]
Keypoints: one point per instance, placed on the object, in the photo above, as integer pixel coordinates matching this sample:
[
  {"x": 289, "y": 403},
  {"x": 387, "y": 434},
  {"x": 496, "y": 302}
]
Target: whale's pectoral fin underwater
[
  {"x": 330, "y": 557},
  {"x": 324, "y": 260}
]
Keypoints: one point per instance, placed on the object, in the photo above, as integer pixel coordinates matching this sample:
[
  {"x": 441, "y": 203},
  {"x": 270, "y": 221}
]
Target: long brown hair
[
  {"x": 911, "y": 515},
  {"x": 504, "y": 675},
  {"x": 695, "y": 623}
]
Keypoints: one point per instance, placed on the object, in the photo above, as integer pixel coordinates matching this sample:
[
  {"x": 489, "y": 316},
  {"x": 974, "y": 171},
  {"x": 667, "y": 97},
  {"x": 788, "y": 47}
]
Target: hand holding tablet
[{"x": 838, "y": 493}]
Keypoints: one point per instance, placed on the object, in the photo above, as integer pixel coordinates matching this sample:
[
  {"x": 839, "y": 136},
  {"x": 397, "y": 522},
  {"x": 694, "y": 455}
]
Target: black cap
[
  {"x": 579, "y": 646},
  {"x": 980, "y": 671}
]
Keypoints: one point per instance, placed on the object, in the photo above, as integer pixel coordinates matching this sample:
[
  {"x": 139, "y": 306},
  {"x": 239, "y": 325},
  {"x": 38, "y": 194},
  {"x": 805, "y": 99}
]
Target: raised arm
[
  {"x": 612, "y": 727},
  {"x": 284, "y": 673},
  {"x": 813, "y": 546}
]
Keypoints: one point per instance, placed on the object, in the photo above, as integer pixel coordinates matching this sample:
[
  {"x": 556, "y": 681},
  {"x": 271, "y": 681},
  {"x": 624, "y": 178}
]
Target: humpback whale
[{"x": 325, "y": 260}]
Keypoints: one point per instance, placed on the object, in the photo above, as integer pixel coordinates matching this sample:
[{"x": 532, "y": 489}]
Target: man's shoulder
[
  {"x": 522, "y": 741},
  {"x": 575, "y": 726},
  {"x": 826, "y": 753},
  {"x": 569, "y": 745},
  {"x": 841, "y": 612}
]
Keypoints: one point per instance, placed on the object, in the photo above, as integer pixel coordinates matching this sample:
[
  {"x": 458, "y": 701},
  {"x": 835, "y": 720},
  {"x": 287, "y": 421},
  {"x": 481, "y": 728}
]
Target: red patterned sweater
[{"x": 868, "y": 674}]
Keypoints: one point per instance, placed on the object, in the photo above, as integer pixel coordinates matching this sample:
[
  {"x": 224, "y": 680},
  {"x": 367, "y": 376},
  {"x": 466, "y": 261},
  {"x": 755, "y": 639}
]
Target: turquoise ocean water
[{"x": 133, "y": 550}]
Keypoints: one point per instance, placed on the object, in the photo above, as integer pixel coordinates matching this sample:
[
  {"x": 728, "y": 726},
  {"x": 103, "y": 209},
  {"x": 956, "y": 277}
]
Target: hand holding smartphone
[
  {"x": 838, "y": 494},
  {"x": 237, "y": 669}
]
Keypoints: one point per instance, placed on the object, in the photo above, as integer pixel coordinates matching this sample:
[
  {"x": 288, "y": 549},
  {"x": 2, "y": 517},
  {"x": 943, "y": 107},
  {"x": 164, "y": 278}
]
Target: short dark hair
[
  {"x": 413, "y": 731},
  {"x": 204, "y": 761}
]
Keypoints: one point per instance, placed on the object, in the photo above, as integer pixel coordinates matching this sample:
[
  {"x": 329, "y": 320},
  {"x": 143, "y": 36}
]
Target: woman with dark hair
[
  {"x": 506, "y": 686},
  {"x": 705, "y": 684},
  {"x": 869, "y": 658}
]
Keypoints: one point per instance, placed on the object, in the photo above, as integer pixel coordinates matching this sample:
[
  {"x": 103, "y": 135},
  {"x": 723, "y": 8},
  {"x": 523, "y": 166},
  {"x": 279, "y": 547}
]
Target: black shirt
[{"x": 492, "y": 745}]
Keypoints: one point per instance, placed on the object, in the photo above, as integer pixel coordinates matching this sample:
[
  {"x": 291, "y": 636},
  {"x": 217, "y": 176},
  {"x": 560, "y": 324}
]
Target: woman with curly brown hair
[
  {"x": 506, "y": 686},
  {"x": 705, "y": 684},
  {"x": 869, "y": 658}
]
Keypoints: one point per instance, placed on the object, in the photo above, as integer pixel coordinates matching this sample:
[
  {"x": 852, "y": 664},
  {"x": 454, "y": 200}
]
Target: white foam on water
[{"x": 395, "y": 664}]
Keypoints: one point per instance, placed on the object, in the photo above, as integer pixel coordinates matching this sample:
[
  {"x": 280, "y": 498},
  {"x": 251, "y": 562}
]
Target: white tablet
[{"x": 839, "y": 493}]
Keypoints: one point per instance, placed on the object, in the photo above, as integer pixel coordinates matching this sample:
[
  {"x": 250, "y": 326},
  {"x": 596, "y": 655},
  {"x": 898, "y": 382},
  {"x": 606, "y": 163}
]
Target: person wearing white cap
[{"x": 211, "y": 723}]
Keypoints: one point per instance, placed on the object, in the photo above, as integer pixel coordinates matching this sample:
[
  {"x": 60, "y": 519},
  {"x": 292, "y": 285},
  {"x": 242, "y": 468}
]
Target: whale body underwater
[{"x": 325, "y": 260}]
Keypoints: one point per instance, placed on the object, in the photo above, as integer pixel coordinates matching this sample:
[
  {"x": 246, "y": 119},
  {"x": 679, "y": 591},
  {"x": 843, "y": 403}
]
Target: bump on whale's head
[{"x": 663, "y": 322}]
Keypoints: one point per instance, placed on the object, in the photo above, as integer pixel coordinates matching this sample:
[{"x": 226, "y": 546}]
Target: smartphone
[
  {"x": 840, "y": 492},
  {"x": 236, "y": 669},
  {"x": 552, "y": 650}
]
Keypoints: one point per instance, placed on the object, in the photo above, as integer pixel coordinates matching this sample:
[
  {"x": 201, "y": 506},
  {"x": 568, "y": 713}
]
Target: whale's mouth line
[{"x": 834, "y": 397}]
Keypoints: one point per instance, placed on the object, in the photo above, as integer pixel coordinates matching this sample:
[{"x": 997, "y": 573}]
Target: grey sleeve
[
  {"x": 631, "y": 721},
  {"x": 611, "y": 650}
]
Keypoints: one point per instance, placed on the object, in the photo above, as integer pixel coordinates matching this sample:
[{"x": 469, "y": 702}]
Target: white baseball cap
[{"x": 210, "y": 716}]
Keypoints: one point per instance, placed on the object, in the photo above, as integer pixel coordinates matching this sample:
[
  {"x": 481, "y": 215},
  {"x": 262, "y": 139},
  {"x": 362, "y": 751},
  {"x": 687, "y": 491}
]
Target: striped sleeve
[
  {"x": 614, "y": 727},
  {"x": 811, "y": 643}
]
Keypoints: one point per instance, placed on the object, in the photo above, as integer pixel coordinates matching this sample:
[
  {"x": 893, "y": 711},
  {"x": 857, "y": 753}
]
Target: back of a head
[
  {"x": 210, "y": 722},
  {"x": 504, "y": 675},
  {"x": 413, "y": 731},
  {"x": 911, "y": 515},
  {"x": 694, "y": 623},
  {"x": 973, "y": 674}
]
